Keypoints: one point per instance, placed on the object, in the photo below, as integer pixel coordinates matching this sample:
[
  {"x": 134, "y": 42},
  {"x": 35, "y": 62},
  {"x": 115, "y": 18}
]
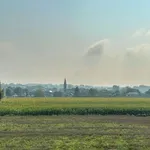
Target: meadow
[
  {"x": 75, "y": 123},
  {"x": 75, "y": 106},
  {"x": 74, "y": 132}
]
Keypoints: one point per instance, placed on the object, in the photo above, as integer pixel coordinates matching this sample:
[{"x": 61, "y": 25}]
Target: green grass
[
  {"x": 69, "y": 131},
  {"x": 75, "y": 106},
  {"x": 74, "y": 133}
]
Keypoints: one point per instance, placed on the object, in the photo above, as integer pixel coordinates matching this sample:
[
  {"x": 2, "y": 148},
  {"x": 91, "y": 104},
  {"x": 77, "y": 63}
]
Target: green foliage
[
  {"x": 39, "y": 93},
  {"x": 18, "y": 91},
  {"x": 8, "y": 92},
  {"x": 76, "y": 92},
  {"x": 75, "y": 106},
  {"x": 58, "y": 94},
  {"x": 1, "y": 93},
  {"x": 147, "y": 92},
  {"x": 92, "y": 92}
]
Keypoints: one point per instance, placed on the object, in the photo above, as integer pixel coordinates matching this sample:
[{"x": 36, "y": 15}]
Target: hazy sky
[{"x": 87, "y": 41}]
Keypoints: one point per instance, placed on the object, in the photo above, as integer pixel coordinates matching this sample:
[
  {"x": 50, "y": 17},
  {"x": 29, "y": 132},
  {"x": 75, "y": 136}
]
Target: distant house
[
  {"x": 133, "y": 94},
  {"x": 15, "y": 95}
]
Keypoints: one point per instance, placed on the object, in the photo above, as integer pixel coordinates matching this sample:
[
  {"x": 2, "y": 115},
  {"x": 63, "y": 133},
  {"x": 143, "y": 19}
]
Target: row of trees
[
  {"x": 74, "y": 92},
  {"x": 116, "y": 92},
  {"x": 18, "y": 91},
  {"x": 40, "y": 93}
]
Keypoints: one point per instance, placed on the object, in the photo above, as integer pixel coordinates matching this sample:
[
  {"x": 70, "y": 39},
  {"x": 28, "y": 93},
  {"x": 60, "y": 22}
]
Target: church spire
[{"x": 65, "y": 85}]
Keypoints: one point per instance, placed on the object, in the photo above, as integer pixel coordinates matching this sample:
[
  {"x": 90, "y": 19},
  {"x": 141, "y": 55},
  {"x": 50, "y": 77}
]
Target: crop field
[
  {"x": 75, "y": 106},
  {"x": 74, "y": 132},
  {"x": 75, "y": 124}
]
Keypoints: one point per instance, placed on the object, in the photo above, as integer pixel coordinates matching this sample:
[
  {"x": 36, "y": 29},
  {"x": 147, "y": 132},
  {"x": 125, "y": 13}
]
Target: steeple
[{"x": 65, "y": 85}]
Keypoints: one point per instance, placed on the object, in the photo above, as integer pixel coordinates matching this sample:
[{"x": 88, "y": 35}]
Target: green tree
[
  {"x": 26, "y": 91},
  {"x": 39, "y": 93},
  {"x": 127, "y": 90},
  {"x": 148, "y": 92},
  {"x": 76, "y": 92},
  {"x": 92, "y": 92},
  {"x": 8, "y": 92},
  {"x": 1, "y": 93},
  {"x": 104, "y": 93},
  {"x": 57, "y": 94},
  {"x": 18, "y": 91}
]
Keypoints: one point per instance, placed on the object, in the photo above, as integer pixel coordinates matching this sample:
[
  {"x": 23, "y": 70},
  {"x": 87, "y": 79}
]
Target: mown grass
[
  {"x": 75, "y": 106},
  {"x": 74, "y": 132}
]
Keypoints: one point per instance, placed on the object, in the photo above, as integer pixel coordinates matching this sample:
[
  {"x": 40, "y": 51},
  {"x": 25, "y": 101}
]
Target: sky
[{"x": 96, "y": 42}]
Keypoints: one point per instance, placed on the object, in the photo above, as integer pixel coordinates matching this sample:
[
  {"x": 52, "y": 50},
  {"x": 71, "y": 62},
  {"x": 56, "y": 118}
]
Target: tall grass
[{"x": 75, "y": 106}]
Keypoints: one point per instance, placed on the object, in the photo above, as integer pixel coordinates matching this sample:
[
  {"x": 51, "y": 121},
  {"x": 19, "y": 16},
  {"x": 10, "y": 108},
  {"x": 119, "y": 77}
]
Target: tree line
[{"x": 74, "y": 92}]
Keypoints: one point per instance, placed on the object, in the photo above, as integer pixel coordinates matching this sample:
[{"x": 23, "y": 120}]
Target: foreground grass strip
[{"x": 74, "y": 132}]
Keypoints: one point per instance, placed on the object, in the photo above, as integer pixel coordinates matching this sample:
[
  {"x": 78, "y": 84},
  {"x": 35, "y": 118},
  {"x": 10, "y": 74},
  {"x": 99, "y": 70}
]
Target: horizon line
[{"x": 98, "y": 85}]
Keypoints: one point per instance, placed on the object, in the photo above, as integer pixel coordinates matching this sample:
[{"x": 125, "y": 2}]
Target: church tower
[{"x": 65, "y": 85}]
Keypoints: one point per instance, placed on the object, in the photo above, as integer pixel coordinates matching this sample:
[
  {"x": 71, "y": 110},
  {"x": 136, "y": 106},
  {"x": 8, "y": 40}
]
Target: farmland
[
  {"x": 75, "y": 106},
  {"x": 74, "y": 123},
  {"x": 74, "y": 132}
]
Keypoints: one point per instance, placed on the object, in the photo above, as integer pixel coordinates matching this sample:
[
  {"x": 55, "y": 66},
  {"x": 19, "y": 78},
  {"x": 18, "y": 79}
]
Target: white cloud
[
  {"x": 130, "y": 66},
  {"x": 142, "y": 48},
  {"x": 95, "y": 52},
  {"x": 97, "y": 48},
  {"x": 148, "y": 33},
  {"x": 104, "y": 61},
  {"x": 137, "y": 60},
  {"x": 139, "y": 32}
]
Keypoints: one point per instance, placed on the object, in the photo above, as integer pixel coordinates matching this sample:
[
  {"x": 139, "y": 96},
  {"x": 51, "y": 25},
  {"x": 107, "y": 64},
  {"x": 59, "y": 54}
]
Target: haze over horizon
[{"x": 98, "y": 42}]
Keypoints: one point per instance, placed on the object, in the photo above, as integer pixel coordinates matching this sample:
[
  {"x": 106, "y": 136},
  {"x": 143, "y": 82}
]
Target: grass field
[
  {"x": 75, "y": 106},
  {"x": 74, "y": 124},
  {"x": 74, "y": 132}
]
